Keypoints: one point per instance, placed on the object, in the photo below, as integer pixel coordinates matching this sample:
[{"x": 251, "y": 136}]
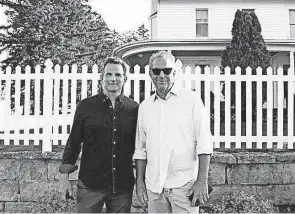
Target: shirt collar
[
  {"x": 104, "y": 97},
  {"x": 173, "y": 91}
]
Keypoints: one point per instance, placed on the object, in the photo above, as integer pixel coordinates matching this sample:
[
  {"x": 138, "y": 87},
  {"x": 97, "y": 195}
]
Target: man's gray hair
[{"x": 161, "y": 54}]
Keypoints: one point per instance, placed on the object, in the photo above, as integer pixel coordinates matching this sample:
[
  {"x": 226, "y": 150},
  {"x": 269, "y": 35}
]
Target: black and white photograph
[{"x": 147, "y": 106}]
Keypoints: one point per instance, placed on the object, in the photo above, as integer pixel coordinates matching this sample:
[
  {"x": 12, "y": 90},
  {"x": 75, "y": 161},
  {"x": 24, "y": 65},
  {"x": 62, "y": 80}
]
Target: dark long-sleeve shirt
[{"x": 108, "y": 137}]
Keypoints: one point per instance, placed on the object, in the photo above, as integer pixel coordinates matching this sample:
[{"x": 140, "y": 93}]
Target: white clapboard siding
[
  {"x": 175, "y": 17},
  {"x": 49, "y": 121}
]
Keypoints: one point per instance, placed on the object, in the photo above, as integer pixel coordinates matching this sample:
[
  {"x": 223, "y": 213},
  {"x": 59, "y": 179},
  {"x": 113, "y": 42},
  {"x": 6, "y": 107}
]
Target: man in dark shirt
[{"x": 106, "y": 125}]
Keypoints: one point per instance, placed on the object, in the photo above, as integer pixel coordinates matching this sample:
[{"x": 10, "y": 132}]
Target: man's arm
[
  {"x": 204, "y": 149},
  {"x": 73, "y": 146},
  {"x": 71, "y": 153},
  {"x": 140, "y": 181},
  {"x": 140, "y": 159},
  {"x": 200, "y": 187}
]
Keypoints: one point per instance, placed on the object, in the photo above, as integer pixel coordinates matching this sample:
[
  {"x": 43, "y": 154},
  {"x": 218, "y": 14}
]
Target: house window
[
  {"x": 202, "y": 23},
  {"x": 292, "y": 23}
]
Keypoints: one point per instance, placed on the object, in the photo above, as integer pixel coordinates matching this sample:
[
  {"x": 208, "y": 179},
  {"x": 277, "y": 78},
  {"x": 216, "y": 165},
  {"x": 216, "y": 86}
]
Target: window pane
[
  {"x": 202, "y": 30},
  {"x": 292, "y": 31},
  {"x": 292, "y": 16},
  {"x": 202, "y": 15}
]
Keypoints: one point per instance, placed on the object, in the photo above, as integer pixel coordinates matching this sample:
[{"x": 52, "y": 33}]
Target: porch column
[{"x": 292, "y": 60}]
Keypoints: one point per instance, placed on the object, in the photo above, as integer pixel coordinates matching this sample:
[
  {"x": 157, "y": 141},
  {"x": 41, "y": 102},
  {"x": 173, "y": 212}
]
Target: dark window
[{"x": 202, "y": 23}]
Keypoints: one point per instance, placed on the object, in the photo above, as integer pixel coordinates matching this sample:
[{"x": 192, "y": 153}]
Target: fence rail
[{"x": 250, "y": 110}]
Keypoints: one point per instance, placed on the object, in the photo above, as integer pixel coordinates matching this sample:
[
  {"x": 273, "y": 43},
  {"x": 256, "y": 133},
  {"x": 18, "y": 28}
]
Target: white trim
[{"x": 289, "y": 23}]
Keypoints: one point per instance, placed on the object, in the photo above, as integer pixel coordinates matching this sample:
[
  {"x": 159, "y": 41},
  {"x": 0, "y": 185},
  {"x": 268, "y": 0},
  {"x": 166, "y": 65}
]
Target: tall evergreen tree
[{"x": 247, "y": 47}]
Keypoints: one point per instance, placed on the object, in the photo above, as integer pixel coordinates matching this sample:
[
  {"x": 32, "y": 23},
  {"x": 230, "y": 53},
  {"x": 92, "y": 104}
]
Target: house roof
[{"x": 129, "y": 49}]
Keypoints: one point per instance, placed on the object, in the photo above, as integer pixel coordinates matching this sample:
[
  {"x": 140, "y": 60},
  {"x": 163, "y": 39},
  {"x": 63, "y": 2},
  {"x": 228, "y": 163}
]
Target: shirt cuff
[
  {"x": 207, "y": 151},
  {"x": 139, "y": 154},
  {"x": 67, "y": 168}
]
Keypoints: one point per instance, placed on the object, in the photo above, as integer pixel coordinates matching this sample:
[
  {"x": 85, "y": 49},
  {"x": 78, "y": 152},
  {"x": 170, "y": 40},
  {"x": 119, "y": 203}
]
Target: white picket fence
[{"x": 49, "y": 122}]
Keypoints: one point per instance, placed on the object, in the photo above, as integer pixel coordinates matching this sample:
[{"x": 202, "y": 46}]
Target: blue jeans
[{"x": 92, "y": 201}]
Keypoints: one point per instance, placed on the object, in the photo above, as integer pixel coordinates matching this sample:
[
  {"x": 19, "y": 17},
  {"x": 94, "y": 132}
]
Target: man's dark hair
[{"x": 115, "y": 60}]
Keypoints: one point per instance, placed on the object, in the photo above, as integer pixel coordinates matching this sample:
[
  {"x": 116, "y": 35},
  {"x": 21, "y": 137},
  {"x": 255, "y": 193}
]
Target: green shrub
[{"x": 241, "y": 203}]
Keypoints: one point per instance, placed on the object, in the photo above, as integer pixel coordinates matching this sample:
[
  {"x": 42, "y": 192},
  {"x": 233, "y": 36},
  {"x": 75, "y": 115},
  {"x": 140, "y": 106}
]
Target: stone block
[
  {"x": 8, "y": 190},
  {"x": 261, "y": 174},
  {"x": 217, "y": 174},
  {"x": 286, "y": 157},
  {"x": 34, "y": 191},
  {"x": 14, "y": 169},
  {"x": 249, "y": 174},
  {"x": 19, "y": 207},
  {"x": 279, "y": 194},
  {"x": 221, "y": 157},
  {"x": 284, "y": 173},
  {"x": 223, "y": 190},
  {"x": 9, "y": 169},
  {"x": 52, "y": 155},
  {"x": 254, "y": 157},
  {"x": 53, "y": 173},
  {"x": 21, "y": 154},
  {"x": 33, "y": 170}
]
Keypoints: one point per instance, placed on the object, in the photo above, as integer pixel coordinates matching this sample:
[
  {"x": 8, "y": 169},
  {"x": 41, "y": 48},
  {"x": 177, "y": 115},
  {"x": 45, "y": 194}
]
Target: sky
[{"x": 121, "y": 15}]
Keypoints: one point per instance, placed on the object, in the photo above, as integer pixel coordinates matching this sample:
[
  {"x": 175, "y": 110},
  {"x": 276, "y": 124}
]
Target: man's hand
[
  {"x": 200, "y": 191},
  {"x": 141, "y": 193},
  {"x": 66, "y": 187}
]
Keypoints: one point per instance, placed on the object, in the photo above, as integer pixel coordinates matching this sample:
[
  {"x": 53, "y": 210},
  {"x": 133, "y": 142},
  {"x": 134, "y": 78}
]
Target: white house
[{"x": 198, "y": 30}]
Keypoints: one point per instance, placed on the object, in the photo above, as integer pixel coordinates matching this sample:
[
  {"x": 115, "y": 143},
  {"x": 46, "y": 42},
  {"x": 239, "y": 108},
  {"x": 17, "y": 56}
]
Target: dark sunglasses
[{"x": 166, "y": 71}]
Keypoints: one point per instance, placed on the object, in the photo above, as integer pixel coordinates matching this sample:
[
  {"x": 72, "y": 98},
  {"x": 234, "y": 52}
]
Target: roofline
[{"x": 197, "y": 44}]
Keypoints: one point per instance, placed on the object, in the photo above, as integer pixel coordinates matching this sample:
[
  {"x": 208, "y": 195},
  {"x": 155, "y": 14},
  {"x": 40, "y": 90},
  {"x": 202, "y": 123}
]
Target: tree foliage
[
  {"x": 247, "y": 46},
  {"x": 66, "y": 31}
]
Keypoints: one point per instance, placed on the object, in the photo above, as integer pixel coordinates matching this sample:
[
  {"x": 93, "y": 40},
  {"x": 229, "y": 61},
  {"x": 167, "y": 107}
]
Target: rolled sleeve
[
  {"x": 203, "y": 134},
  {"x": 140, "y": 141}
]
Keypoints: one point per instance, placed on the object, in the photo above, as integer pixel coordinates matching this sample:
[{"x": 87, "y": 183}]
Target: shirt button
[
  {"x": 114, "y": 169},
  {"x": 114, "y": 118},
  {"x": 114, "y": 155},
  {"x": 115, "y": 130},
  {"x": 114, "y": 142}
]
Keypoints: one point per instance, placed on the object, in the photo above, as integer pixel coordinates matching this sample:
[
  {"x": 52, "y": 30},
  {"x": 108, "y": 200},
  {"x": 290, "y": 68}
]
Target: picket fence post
[{"x": 47, "y": 106}]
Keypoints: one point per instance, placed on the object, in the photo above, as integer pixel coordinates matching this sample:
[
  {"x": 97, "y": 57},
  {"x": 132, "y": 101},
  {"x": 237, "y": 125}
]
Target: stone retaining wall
[{"x": 28, "y": 177}]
